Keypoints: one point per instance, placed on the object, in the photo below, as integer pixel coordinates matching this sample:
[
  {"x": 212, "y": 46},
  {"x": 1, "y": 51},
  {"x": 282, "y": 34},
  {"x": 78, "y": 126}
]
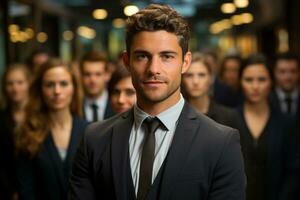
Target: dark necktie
[
  {"x": 95, "y": 112},
  {"x": 288, "y": 101},
  {"x": 146, "y": 166}
]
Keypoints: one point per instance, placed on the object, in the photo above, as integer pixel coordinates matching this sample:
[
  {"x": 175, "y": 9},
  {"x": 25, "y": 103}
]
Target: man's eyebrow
[{"x": 168, "y": 52}]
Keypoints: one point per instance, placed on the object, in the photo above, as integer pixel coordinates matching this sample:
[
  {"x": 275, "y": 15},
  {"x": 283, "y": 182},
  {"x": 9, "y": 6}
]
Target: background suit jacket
[
  {"x": 204, "y": 161},
  {"x": 46, "y": 176}
]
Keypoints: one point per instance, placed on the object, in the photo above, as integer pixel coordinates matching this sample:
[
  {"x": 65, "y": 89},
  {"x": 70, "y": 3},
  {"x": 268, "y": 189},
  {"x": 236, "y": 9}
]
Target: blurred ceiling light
[
  {"x": 42, "y": 37},
  {"x": 68, "y": 35},
  {"x": 118, "y": 23},
  {"x": 13, "y": 28},
  {"x": 241, "y": 3},
  {"x": 247, "y": 18},
  {"x": 86, "y": 32},
  {"x": 100, "y": 14},
  {"x": 29, "y": 32},
  {"x": 236, "y": 20},
  {"x": 130, "y": 10},
  {"x": 23, "y": 36},
  {"x": 228, "y": 8},
  {"x": 226, "y": 23}
]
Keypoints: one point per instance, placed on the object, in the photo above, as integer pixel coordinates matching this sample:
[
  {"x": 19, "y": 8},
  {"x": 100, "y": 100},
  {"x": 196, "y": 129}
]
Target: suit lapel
[
  {"x": 178, "y": 152},
  {"x": 56, "y": 161},
  {"x": 120, "y": 150}
]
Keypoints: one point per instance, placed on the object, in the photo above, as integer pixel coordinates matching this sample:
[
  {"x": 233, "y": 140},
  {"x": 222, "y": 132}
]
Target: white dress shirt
[
  {"x": 163, "y": 139},
  {"x": 294, "y": 100},
  {"x": 101, "y": 102}
]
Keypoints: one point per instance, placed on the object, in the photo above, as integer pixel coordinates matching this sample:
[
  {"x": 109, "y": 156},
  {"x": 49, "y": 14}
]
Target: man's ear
[
  {"x": 186, "y": 62},
  {"x": 125, "y": 57}
]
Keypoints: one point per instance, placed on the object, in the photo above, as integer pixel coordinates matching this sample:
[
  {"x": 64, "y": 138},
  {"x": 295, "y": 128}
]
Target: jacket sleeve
[
  {"x": 81, "y": 185},
  {"x": 229, "y": 180}
]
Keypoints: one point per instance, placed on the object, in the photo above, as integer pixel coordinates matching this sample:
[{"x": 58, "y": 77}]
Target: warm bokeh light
[
  {"x": 100, "y": 14},
  {"x": 86, "y": 32},
  {"x": 241, "y": 3},
  {"x": 29, "y": 32},
  {"x": 118, "y": 23},
  {"x": 68, "y": 35},
  {"x": 247, "y": 18},
  {"x": 42, "y": 37},
  {"x": 130, "y": 10},
  {"x": 13, "y": 28},
  {"x": 228, "y": 8}
]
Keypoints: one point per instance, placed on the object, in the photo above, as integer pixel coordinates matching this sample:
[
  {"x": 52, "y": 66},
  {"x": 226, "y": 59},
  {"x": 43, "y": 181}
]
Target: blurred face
[
  {"x": 256, "y": 83},
  {"x": 16, "y": 86},
  {"x": 57, "y": 89},
  {"x": 197, "y": 80},
  {"x": 156, "y": 63},
  {"x": 94, "y": 78},
  {"x": 231, "y": 73},
  {"x": 287, "y": 75},
  {"x": 123, "y": 95}
]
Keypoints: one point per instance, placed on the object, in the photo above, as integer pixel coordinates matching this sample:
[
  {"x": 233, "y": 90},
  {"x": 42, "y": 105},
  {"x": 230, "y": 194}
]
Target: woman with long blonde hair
[{"x": 47, "y": 138}]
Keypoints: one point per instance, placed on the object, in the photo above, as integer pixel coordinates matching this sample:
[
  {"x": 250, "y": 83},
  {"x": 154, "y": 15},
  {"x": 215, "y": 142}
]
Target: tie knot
[
  {"x": 94, "y": 106},
  {"x": 152, "y": 123}
]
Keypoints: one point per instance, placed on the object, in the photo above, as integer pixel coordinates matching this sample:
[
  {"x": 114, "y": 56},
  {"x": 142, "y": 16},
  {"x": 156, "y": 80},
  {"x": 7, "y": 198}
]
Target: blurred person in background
[
  {"x": 218, "y": 89},
  {"x": 37, "y": 58},
  {"x": 229, "y": 74},
  {"x": 94, "y": 73},
  {"x": 121, "y": 91},
  {"x": 286, "y": 93},
  {"x": 266, "y": 137},
  {"x": 15, "y": 85},
  {"x": 196, "y": 83},
  {"x": 47, "y": 138}
]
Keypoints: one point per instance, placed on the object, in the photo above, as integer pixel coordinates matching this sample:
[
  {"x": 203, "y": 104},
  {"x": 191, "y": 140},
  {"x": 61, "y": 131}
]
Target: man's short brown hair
[
  {"x": 157, "y": 17},
  {"x": 93, "y": 56}
]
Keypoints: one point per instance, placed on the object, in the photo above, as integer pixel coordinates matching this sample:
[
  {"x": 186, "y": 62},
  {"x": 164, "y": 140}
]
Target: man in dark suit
[
  {"x": 185, "y": 156},
  {"x": 286, "y": 93},
  {"x": 93, "y": 67}
]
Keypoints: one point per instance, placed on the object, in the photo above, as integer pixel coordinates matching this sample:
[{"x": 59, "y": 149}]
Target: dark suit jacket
[
  {"x": 46, "y": 176},
  {"x": 282, "y": 155},
  {"x": 223, "y": 115},
  {"x": 203, "y": 162},
  {"x": 275, "y": 103},
  {"x": 8, "y": 166}
]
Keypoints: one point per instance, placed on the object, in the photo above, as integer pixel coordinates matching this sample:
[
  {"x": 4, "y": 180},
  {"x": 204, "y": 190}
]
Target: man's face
[
  {"x": 156, "y": 63},
  {"x": 286, "y": 74},
  {"x": 94, "y": 78},
  {"x": 231, "y": 73}
]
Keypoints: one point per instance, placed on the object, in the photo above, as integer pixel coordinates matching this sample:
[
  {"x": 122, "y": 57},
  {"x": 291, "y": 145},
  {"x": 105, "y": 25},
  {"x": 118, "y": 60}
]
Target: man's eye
[
  {"x": 167, "y": 56},
  {"x": 141, "y": 56}
]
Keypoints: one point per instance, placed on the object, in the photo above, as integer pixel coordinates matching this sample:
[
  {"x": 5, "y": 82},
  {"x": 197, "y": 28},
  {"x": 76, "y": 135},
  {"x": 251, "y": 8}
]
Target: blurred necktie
[{"x": 95, "y": 112}]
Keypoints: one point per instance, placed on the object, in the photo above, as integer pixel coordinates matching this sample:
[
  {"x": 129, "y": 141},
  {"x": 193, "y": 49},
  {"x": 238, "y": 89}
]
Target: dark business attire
[
  {"x": 226, "y": 96},
  {"x": 8, "y": 165},
  {"x": 278, "y": 100},
  {"x": 223, "y": 115},
  {"x": 46, "y": 176},
  {"x": 204, "y": 161},
  {"x": 270, "y": 163}
]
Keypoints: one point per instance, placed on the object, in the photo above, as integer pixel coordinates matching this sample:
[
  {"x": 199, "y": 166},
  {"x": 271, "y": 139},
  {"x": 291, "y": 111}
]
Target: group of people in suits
[{"x": 201, "y": 148}]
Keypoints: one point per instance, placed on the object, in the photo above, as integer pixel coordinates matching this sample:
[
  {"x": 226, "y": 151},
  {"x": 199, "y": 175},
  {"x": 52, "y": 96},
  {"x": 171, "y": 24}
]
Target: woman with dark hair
[
  {"x": 47, "y": 139},
  {"x": 121, "y": 91},
  {"x": 196, "y": 83},
  {"x": 15, "y": 85},
  {"x": 265, "y": 136}
]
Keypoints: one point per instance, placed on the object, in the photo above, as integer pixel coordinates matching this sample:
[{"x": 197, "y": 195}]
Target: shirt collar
[
  {"x": 282, "y": 95},
  {"x": 167, "y": 117},
  {"x": 100, "y": 102}
]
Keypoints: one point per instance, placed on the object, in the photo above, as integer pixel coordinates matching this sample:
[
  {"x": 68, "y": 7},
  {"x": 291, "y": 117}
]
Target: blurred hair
[
  {"x": 93, "y": 56},
  {"x": 35, "y": 127},
  {"x": 200, "y": 57},
  {"x": 116, "y": 77},
  {"x": 225, "y": 59},
  {"x": 256, "y": 59},
  {"x": 12, "y": 67},
  {"x": 156, "y": 17},
  {"x": 287, "y": 56}
]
